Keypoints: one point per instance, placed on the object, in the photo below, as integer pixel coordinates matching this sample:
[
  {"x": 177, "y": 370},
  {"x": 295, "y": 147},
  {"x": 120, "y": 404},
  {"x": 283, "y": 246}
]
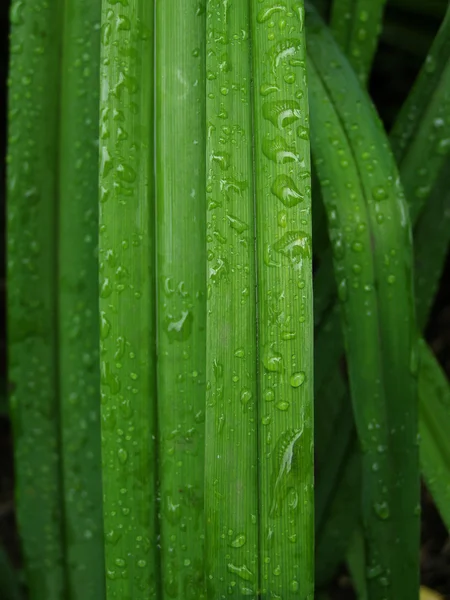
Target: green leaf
[
  {"x": 78, "y": 326},
  {"x": 231, "y": 492},
  {"x": 422, "y": 128},
  {"x": 434, "y": 390},
  {"x": 431, "y": 235},
  {"x": 127, "y": 291},
  {"x": 431, "y": 244},
  {"x": 356, "y": 25},
  {"x": 181, "y": 259},
  {"x": 284, "y": 257},
  {"x": 32, "y": 283},
  {"x": 370, "y": 226}
]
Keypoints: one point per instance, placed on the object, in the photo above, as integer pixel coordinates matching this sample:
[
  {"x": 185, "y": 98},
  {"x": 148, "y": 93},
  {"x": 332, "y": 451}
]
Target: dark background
[{"x": 406, "y": 38}]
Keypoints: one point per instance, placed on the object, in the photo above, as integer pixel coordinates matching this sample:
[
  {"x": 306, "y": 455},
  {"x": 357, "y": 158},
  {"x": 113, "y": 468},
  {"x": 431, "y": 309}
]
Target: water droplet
[
  {"x": 239, "y": 541},
  {"x": 269, "y": 395},
  {"x": 283, "y": 50},
  {"x": 281, "y": 112},
  {"x": 272, "y": 360},
  {"x": 379, "y": 193},
  {"x": 282, "y": 405},
  {"x": 297, "y": 379},
  {"x": 277, "y": 150},
  {"x": 382, "y": 510},
  {"x": 122, "y": 455},
  {"x": 178, "y": 329},
  {"x": 223, "y": 159},
  {"x": 266, "y": 420},
  {"x": 295, "y": 245},
  {"x": 267, "y": 88},
  {"x": 303, "y": 132},
  {"x": 265, "y": 13},
  {"x": 246, "y": 396},
  {"x": 237, "y": 224},
  {"x": 243, "y": 572},
  {"x": 286, "y": 191}
]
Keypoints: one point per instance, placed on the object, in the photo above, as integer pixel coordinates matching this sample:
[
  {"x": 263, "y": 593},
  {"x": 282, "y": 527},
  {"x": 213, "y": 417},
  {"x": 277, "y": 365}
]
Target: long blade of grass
[
  {"x": 423, "y": 108},
  {"x": 357, "y": 565},
  {"x": 428, "y": 97},
  {"x": 429, "y": 252},
  {"x": 356, "y": 25},
  {"x": 283, "y": 218},
  {"x": 434, "y": 400},
  {"x": 408, "y": 171},
  {"x": 341, "y": 21},
  {"x": 389, "y": 230},
  {"x": 78, "y": 294},
  {"x": 231, "y": 491},
  {"x": 32, "y": 280},
  {"x": 422, "y": 128},
  {"x": 433, "y": 427},
  {"x": 127, "y": 331},
  {"x": 434, "y": 418},
  {"x": 431, "y": 244},
  {"x": 360, "y": 316},
  {"x": 430, "y": 249},
  {"x": 181, "y": 256}
]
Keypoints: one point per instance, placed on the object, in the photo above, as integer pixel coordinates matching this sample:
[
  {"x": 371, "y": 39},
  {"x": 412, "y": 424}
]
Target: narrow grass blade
[
  {"x": 356, "y": 25},
  {"x": 434, "y": 407},
  {"x": 127, "y": 331},
  {"x": 231, "y": 485},
  {"x": 389, "y": 231},
  {"x": 421, "y": 100},
  {"x": 341, "y": 18},
  {"x": 32, "y": 284},
  {"x": 360, "y": 313},
  {"x": 78, "y": 297},
  {"x": 423, "y": 128},
  {"x": 431, "y": 244},
  {"x": 357, "y": 565},
  {"x": 435, "y": 246},
  {"x": 283, "y": 218},
  {"x": 181, "y": 256}
]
